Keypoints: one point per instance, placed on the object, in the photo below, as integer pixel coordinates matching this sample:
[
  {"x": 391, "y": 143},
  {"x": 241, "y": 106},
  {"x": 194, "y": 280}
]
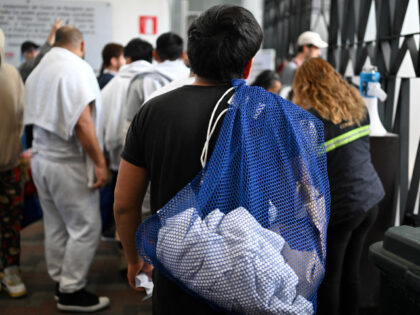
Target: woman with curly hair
[{"x": 355, "y": 186}]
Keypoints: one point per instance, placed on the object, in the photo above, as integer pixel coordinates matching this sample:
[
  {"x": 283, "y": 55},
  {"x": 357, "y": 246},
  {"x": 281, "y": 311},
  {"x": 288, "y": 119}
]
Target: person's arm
[
  {"x": 85, "y": 132},
  {"x": 130, "y": 189},
  {"x": 51, "y": 36}
]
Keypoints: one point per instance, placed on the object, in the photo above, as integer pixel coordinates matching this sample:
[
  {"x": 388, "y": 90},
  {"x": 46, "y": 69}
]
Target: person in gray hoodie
[
  {"x": 11, "y": 188},
  {"x": 170, "y": 65},
  {"x": 27, "y": 66}
]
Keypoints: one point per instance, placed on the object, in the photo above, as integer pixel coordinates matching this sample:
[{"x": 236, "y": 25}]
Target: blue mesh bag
[{"x": 248, "y": 233}]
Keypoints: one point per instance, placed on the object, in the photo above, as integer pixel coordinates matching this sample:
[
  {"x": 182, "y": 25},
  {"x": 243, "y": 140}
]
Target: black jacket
[{"x": 355, "y": 186}]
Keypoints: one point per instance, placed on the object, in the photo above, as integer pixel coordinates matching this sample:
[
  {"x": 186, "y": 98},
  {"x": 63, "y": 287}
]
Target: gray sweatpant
[{"x": 71, "y": 218}]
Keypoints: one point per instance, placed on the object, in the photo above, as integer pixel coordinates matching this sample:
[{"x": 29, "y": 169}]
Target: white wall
[
  {"x": 23, "y": 20},
  {"x": 125, "y": 18},
  {"x": 257, "y": 9}
]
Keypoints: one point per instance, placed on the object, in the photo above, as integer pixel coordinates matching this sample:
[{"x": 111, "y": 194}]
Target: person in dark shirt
[
  {"x": 167, "y": 135},
  {"x": 355, "y": 186},
  {"x": 112, "y": 60}
]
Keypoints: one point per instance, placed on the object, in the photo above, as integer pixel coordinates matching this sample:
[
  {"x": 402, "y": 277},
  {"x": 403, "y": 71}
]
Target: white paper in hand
[{"x": 144, "y": 281}]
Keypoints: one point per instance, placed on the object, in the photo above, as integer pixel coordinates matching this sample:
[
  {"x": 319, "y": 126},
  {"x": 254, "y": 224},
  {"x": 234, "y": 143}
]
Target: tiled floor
[{"x": 104, "y": 279}]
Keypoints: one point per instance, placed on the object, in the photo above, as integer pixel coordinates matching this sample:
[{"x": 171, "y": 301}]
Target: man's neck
[
  {"x": 207, "y": 82},
  {"x": 112, "y": 69},
  {"x": 71, "y": 49}
]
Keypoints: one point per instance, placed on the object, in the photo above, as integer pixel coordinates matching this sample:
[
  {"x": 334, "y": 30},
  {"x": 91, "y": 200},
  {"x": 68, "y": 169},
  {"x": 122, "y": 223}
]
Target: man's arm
[
  {"x": 129, "y": 193},
  {"x": 85, "y": 132}
]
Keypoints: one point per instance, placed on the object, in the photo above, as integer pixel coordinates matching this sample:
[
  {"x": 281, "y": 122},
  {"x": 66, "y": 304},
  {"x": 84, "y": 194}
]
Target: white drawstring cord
[
  {"x": 206, "y": 145},
  {"x": 211, "y": 129}
]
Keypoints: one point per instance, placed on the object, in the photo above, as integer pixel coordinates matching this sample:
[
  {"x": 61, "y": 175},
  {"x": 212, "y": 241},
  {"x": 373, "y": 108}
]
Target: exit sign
[{"x": 148, "y": 25}]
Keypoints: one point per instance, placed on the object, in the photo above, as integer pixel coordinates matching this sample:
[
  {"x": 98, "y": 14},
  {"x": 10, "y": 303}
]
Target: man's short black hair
[
  {"x": 28, "y": 46},
  {"x": 221, "y": 42},
  {"x": 138, "y": 49},
  {"x": 169, "y": 46}
]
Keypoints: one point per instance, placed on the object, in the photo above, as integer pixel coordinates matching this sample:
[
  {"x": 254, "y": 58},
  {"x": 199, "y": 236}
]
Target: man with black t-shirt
[{"x": 166, "y": 137}]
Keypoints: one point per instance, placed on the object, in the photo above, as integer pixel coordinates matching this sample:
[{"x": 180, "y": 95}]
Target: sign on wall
[
  {"x": 23, "y": 20},
  {"x": 148, "y": 25}
]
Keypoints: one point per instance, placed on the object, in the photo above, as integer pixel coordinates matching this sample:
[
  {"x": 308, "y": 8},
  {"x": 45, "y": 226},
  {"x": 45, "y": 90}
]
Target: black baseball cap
[{"x": 28, "y": 45}]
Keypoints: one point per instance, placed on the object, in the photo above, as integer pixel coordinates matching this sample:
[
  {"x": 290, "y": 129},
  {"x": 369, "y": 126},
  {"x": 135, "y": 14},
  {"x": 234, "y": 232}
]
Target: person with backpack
[
  {"x": 166, "y": 138},
  {"x": 233, "y": 169}
]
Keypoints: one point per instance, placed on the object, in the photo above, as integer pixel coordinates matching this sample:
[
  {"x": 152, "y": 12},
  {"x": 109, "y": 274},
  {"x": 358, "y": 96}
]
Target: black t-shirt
[
  {"x": 354, "y": 184},
  {"x": 166, "y": 138}
]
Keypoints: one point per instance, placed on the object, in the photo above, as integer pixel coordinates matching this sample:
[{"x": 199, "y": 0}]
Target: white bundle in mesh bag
[{"x": 232, "y": 261}]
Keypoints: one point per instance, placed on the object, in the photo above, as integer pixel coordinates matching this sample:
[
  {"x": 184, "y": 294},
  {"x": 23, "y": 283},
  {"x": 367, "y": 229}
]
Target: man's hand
[
  {"x": 85, "y": 132},
  {"x": 101, "y": 174},
  {"x": 56, "y": 25},
  {"x": 147, "y": 269},
  {"x": 134, "y": 269}
]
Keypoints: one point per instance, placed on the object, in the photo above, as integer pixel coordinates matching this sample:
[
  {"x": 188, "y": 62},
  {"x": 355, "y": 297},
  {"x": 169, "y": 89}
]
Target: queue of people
[{"x": 143, "y": 122}]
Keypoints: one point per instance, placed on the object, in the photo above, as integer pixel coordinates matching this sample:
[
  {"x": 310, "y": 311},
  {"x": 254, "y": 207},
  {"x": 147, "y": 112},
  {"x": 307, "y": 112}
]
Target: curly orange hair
[{"x": 317, "y": 85}]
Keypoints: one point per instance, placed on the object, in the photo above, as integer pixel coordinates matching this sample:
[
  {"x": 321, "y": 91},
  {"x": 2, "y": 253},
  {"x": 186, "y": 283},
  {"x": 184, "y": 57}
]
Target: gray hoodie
[
  {"x": 11, "y": 107},
  {"x": 26, "y": 68},
  {"x": 143, "y": 85}
]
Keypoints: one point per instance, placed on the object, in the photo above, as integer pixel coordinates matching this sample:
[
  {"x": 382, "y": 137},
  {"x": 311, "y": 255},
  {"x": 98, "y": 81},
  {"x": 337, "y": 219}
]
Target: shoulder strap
[{"x": 212, "y": 127}]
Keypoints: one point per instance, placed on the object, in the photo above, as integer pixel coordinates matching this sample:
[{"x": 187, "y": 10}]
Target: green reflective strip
[
  {"x": 346, "y": 138},
  {"x": 347, "y": 134}
]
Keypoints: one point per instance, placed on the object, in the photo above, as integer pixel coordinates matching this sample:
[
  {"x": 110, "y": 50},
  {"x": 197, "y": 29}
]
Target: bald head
[{"x": 70, "y": 38}]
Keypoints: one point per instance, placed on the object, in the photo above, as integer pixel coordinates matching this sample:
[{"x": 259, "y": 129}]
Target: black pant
[
  {"x": 170, "y": 299},
  {"x": 11, "y": 208},
  {"x": 107, "y": 206},
  {"x": 339, "y": 291}
]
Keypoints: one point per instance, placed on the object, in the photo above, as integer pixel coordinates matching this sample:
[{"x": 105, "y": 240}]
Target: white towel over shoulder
[{"x": 57, "y": 92}]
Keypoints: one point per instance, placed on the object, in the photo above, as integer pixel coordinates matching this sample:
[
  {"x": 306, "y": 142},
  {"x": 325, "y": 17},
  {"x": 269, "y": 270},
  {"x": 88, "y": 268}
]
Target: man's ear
[
  {"x": 155, "y": 56},
  {"x": 247, "y": 70},
  {"x": 184, "y": 57},
  {"x": 114, "y": 61},
  {"x": 82, "y": 47}
]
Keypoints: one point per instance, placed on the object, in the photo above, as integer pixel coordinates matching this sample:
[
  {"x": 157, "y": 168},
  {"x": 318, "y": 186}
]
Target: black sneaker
[
  {"x": 57, "y": 292},
  {"x": 81, "y": 301}
]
